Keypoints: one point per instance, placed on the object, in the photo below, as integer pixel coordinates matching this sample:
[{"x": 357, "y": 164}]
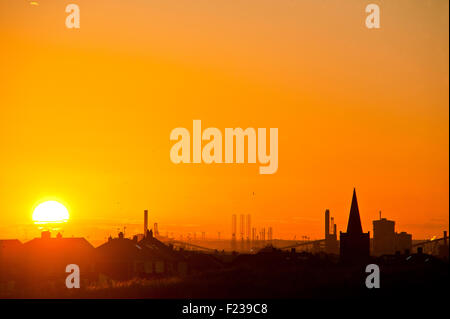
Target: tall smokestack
[
  {"x": 242, "y": 226},
  {"x": 327, "y": 222},
  {"x": 145, "y": 222},
  {"x": 249, "y": 228},
  {"x": 334, "y": 230},
  {"x": 445, "y": 237},
  {"x": 233, "y": 227}
]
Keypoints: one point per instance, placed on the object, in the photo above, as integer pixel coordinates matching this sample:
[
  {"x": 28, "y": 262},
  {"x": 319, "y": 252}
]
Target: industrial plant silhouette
[{"x": 151, "y": 266}]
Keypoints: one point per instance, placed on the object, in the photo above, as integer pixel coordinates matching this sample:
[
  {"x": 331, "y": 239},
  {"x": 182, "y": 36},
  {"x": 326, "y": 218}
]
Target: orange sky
[{"x": 85, "y": 115}]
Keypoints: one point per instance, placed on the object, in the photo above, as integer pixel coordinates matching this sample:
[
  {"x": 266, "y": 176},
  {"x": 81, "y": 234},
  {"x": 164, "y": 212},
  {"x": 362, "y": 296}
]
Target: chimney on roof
[
  {"x": 59, "y": 236},
  {"x": 45, "y": 234},
  {"x": 145, "y": 222}
]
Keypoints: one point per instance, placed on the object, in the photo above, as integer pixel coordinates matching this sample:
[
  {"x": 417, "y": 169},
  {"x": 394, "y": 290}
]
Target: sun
[{"x": 50, "y": 212}]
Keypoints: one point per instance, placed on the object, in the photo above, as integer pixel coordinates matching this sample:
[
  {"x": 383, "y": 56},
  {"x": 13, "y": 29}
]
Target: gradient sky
[{"x": 85, "y": 115}]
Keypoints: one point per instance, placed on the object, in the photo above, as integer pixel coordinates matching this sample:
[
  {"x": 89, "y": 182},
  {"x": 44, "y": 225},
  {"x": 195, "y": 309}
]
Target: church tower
[{"x": 354, "y": 244}]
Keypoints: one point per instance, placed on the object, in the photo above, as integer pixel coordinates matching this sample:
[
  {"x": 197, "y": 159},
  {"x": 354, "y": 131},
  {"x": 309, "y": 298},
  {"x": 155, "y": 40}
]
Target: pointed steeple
[{"x": 354, "y": 220}]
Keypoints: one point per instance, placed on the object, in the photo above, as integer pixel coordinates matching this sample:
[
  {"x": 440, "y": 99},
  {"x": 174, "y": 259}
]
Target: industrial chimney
[
  {"x": 145, "y": 222},
  {"x": 327, "y": 223}
]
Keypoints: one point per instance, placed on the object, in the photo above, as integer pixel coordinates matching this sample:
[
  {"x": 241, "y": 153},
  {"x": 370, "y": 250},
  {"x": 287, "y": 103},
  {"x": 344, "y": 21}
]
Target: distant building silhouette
[
  {"x": 403, "y": 242},
  {"x": 383, "y": 237},
  {"x": 46, "y": 258},
  {"x": 386, "y": 241},
  {"x": 443, "y": 249},
  {"x": 158, "y": 258},
  {"x": 10, "y": 252},
  {"x": 145, "y": 222},
  {"x": 354, "y": 244},
  {"x": 331, "y": 243},
  {"x": 242, "y": 228},
  {"x": 233, "y": 232},
  {"x": 9, "y": 245},
  {"x": 122, "y": 258},
  {"x": 249, "y": 226}
]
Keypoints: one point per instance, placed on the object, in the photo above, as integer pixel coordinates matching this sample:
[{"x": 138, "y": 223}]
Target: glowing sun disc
[{"x": 50, "y": 212}]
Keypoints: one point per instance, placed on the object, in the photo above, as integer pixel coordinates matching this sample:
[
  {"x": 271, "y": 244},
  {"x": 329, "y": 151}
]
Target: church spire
[{"x": 354, "y": 220}]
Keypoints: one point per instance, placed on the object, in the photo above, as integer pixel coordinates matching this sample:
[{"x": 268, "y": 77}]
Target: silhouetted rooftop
[{"x": 10, "y": 243}]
